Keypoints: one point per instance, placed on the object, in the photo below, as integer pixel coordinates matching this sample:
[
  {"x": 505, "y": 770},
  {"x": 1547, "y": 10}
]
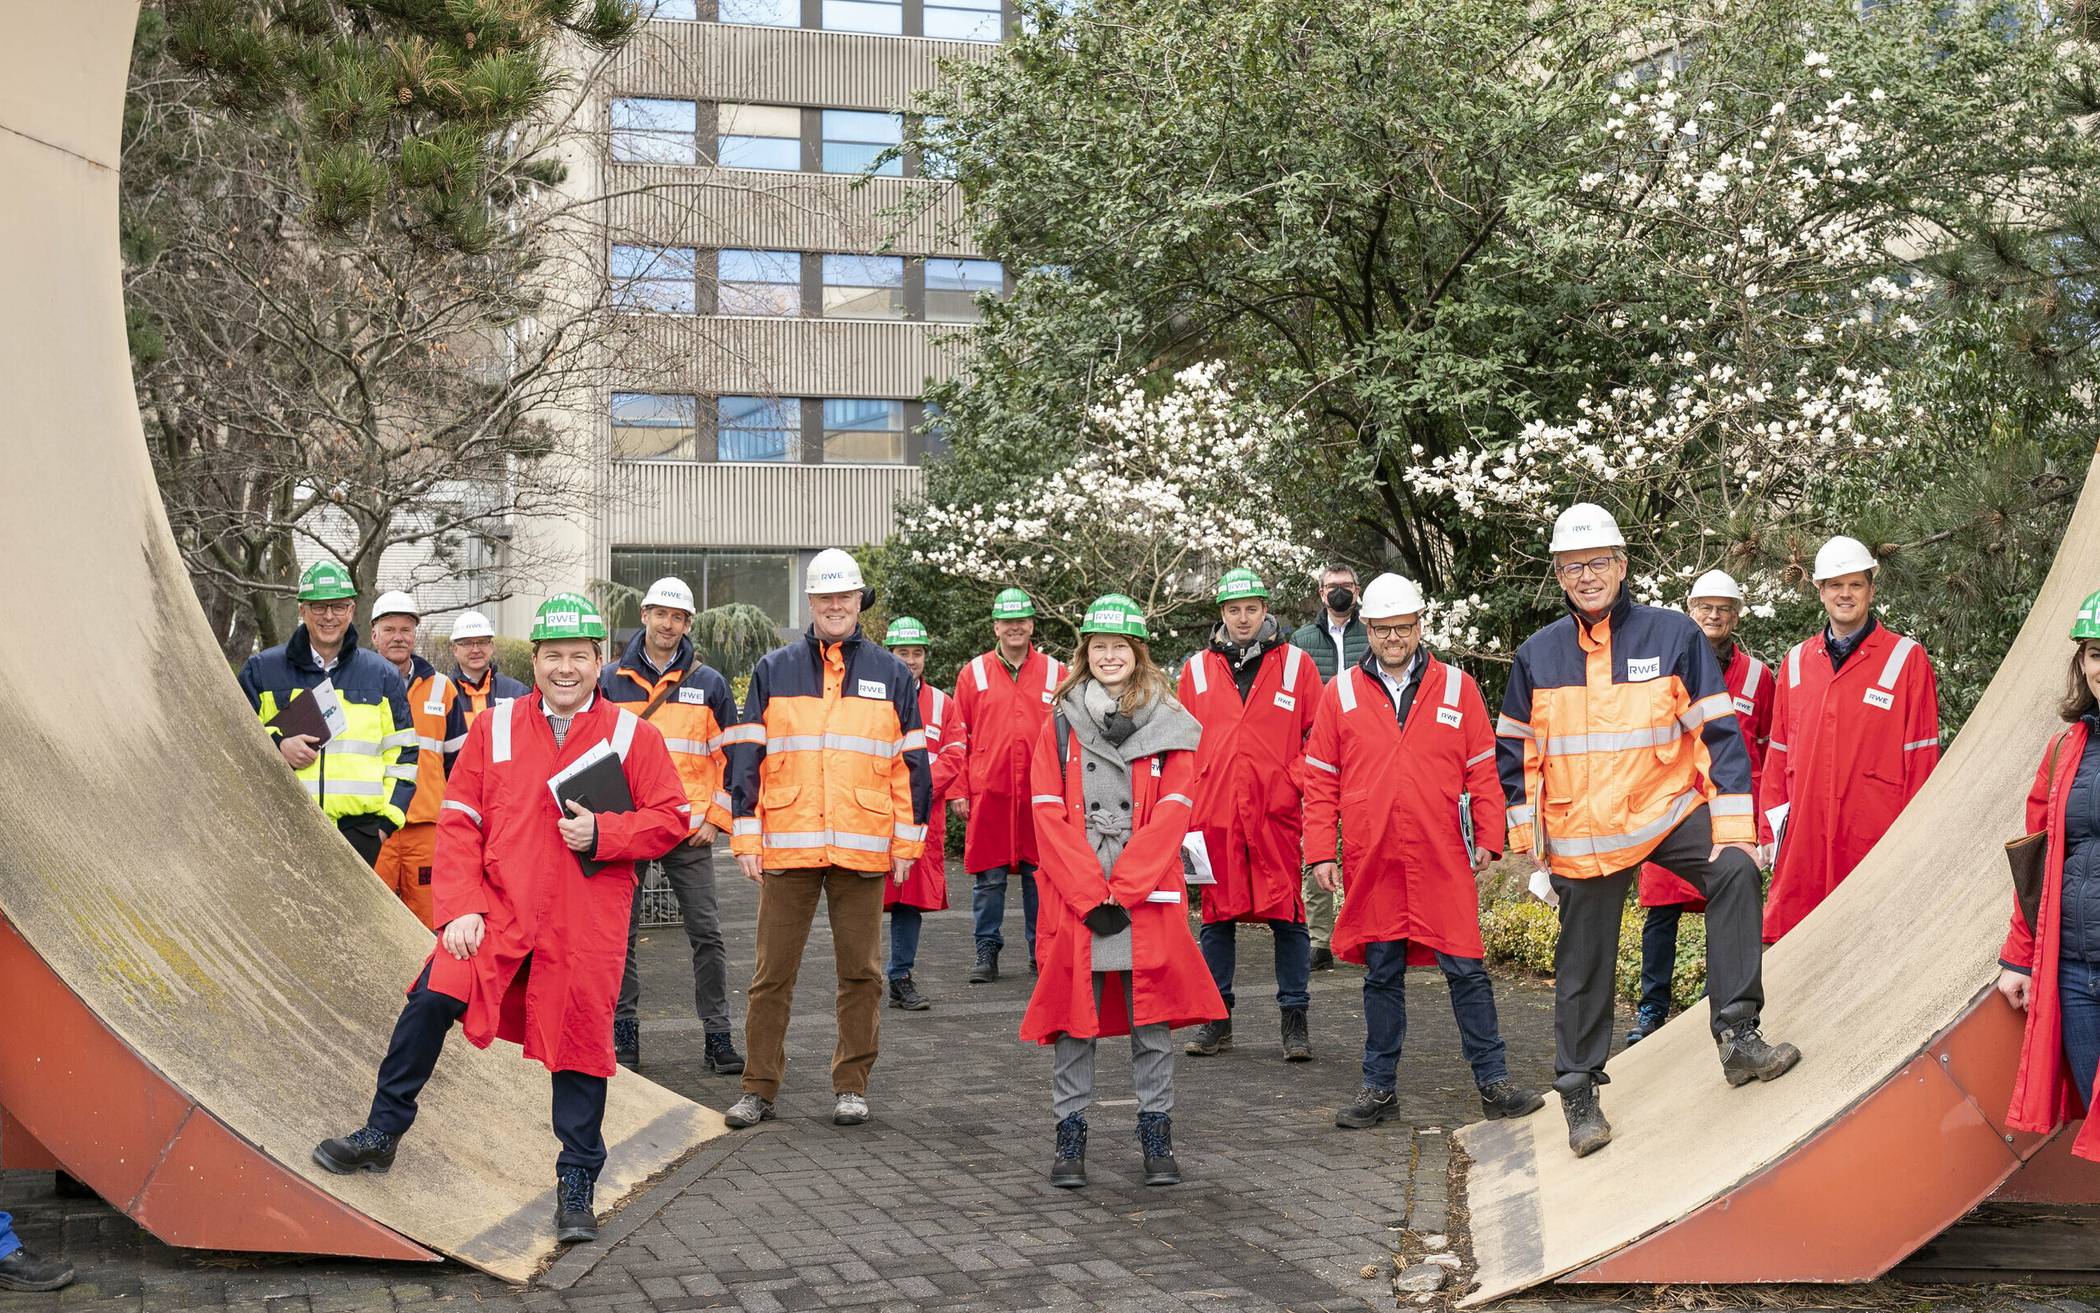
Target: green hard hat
[
  {"x": 567, "y": 615},
  {"x": 325, "y": 581},
  {"x": 1240, "y": 583},
  {"x": 1012, "y": 604},
  {"x": 904, "y": 631},
  {"x": 2087, "y": 625},
  {"x": 1113, "y": 613}
]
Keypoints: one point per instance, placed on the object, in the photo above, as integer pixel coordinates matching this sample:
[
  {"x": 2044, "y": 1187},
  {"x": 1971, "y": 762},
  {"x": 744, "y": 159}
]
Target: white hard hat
[
  {"x": 396, "y": 603},
  {"x": 1389, "y": 595},
  {"x": 668, "y": 591},
  {"x": 1842, "y": 555},
  {"x": 472, "y": 624},
  {"x": 833, "y": 571},
  {"x": 1716, "y": 583},
  {"x": 1585, "y": 524}
]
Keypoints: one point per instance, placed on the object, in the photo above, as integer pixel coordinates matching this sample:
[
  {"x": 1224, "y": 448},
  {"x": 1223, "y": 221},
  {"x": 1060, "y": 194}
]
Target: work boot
[
  {"x": 987, "y": 968},
  {"x": 1068, "y": 1166},
  {"x": 627, "y": 1043},
  {"x": 1323, "y": 959},
  {"x": 1746, "y": 1056},
  {"x": 748, "y": 1111},
  {"x": 906, "y": 995},
  {"x": 721, "y": 1055},
  {"x": 1211, "y": 1039},
  {"x": 574, "y": 1221},
  {"x": 1587, "y": 1129},
  {"x": 1155, "y": 1133},
  {"x": 850, "y": 1109},
  {"x": 1505, "y": 1098},
  {"x": 1297, "y": 1040},
  {"x": 1647, "y": 1019},
  {"x": 24, "y": 1272},
  {"x": 362, "y": 1150},
  {"x": 1368, "y": 1108}
]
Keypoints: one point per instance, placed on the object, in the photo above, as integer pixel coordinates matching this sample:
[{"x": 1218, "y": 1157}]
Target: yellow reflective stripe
[
  {"x": 351, "y": 788},
  {"x": 353, "y": 747},
  {"x": 457, "y": 806},
  {"x": 1595, "y": 845}
]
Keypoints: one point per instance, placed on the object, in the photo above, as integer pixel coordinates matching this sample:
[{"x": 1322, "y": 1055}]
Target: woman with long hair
[{"x": 1110, "y": 782}]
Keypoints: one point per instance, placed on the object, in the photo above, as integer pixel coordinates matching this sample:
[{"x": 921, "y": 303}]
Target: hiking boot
[
  {"x": 850, "y": 1110},
  {"x": 748, "y": 1111},
  {"x": 362, "y": 1150},
  {"x": 1211, "y": 1039},
  {"x": 574, "y": 1221},
  {"x": 1647, "y": 1019},
  {"x": 1746, "y": 1056},
  {"x": 1587, "y": 1129},
  {"x": 1323, "y": 959},
  {"x": 1068, "y": 1166},
  {"x": 1297, "y": 1041},
  {"x": 1505, "y": 1098},
  {"x": 627, "y": 1043},
  {"x": 25, "y": 1272},
  {"x": 1155, "y": 1133},
  {"x": 906, "y": 995},
  {"x": 721, "y": 1055},
  {"x": 1368, "y": 1108},
  {"x": 987, "y": 968}
]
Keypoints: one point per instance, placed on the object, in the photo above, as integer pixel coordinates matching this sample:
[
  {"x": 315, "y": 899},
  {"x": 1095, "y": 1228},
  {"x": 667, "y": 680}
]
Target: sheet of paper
[
  {"x": 330, "y": 704},
  {"x": 599, "y": 749},
  {"x": 1198, "y": 869}
]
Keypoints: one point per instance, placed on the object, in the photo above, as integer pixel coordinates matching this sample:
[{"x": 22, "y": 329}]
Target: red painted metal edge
[
  {"x": 19, "y": 1150},
  {"x": 114, "y": 1121},
  {"x": 2054, "y": 1175}
]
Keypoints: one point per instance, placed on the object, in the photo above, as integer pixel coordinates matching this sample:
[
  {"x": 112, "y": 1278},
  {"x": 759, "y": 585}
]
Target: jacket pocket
[
  {"x": 778, "y": 797},
  {"x": 872, "y": 800}
]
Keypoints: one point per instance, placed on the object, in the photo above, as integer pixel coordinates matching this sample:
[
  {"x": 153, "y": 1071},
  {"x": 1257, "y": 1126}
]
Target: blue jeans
[
  {"x": 1385, "y": 1014},
  {"x": 8, "y": 1243},
  {"x": 1659, "y": 957},
  {"x": 2078, "y": 992},
  {"x": 1220, "y": 944},
  {"x": 904, "y": 940},
  {"x": 988, "y": 905}
]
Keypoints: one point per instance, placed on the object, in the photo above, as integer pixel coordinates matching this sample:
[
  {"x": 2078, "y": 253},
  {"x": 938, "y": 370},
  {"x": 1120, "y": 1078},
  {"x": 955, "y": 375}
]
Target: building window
[
  {"x": 861, "y": 432},
  {"x": 953, "y": 286},
  {"x": 759, "y": 137},
  {"x": 680, "y": 10},
  {"x": 854, "y": 138},
  {"x": 758, "y": 429},
  {"x": 765, "y": 580},
  {"x": 881, "y": 16},
  {"x": 653, "y": 426},
  {"x": 650, "y": 131},
  {"x": 963, "y": 20},
  {"x": 763, "y": 13},
  {"x": 655, "y": 278},
  {"x": 758, "y": 283},
  {"x": 864, "y": 287},
  {"x": 934, "y": 162}
]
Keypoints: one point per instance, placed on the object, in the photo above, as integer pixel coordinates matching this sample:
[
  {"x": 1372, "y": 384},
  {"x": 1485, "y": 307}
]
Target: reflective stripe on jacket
[
  {"x": 496, "y": 688},
  {"x": 354, "y": 775},
  {"x": 441, "y": 729},
  {"x": 1750, "y": 687},
  {"x": 692, "y": 718},
  {"x": 1005, "y": 710},
  {"x": 1249, "y": 803}
]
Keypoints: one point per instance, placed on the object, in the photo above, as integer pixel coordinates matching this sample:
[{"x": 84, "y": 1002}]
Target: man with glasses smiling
[{"x": 1618, "y": 743}]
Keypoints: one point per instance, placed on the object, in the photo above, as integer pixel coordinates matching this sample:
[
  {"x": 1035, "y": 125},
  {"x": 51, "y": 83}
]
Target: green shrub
[
  {"x": 514, "y": 658},
  {"x": 1520, "y": 932}
]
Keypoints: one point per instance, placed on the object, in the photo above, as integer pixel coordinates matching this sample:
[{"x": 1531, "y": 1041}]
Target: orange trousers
[{"x": 404, "y": 866}]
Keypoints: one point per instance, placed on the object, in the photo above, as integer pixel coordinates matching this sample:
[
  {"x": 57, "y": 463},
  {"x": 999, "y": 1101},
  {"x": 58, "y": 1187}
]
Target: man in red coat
[
  {"x": 1715, "y": 604},
  {"x": 925, "y": 887},
  {"x": 1855, "y": 733},
  {"x": 1402, "y": 755},
  {"x": 531, "y": 946},
  {"x": 1254, "y": 694},
  {"x": 1004, "y": 697}
]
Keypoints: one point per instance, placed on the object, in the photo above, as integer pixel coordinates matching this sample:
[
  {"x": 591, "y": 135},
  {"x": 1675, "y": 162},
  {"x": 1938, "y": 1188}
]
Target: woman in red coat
[
  {"x": 925, "y": 887},
  {"x": 2052, "y": 970},
  {"x": 1110, "y": 787}
]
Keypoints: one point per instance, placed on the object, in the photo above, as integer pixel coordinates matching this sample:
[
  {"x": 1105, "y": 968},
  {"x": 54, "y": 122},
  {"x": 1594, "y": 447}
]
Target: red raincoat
[
  {"x": 1004, "y": 713},
  {"x": 2044, "y": 1096},
  {"x": 1168, "y": 977},
  {"x": 1249, "y": 781},
  {"x": 1848, "y": 750},
  {"x": 947, "y": 750},
  {"x": 1397, "y": 791},
  {"x": 499, "y": 853},
  {"x": 1751, "y": 688}
]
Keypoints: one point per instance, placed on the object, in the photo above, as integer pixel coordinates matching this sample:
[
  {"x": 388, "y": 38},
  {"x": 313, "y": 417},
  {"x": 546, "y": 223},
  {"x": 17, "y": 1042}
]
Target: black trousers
[
  {"x": 1585, "y": 961},
  {"x": 579, "y": 1099},
  {"x": 367, "y": 834}
]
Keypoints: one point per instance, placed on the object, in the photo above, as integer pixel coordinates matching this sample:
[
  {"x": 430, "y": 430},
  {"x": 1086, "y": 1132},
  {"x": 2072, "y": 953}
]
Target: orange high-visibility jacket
[
  {"x": 441, "y": 727},
  {"x": 1750, "y": 687},
  {"x": 828, "y": 765},
  {"x": 1611, "y": 734},
  {"x": 694, "y": 711},
  {"x": 495, "y": 689}
]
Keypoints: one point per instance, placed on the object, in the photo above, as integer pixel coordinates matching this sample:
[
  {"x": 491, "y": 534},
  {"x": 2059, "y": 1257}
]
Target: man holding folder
[{"x": 566, "y": 884}]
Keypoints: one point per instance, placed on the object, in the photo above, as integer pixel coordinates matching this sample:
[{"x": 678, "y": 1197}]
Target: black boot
[
  {"x": 1068, "y": 1167},
  {"x": 1155, "y": 1132},
  {"x": 987, "y": 968},
  {"x": 904, "y": 994},
  {"x": 1647, "y": 1019},
  {"x": 1211, "y": 1039},
  {"x": 1746, "y": 1056},
  {"x": 1297, "y": 1040},
  {"x": 1505, "y": 1098},
  {"x": 627, "y": 1043},
  {"x": 1368, "y": 1108},
  {"x": 721, "y": 1053},
  {"x": 574, "y": 1221},
  {"x": 1587, "y": 1129},
  {"x": 25, "y": 1272},
  {"x": 362, "y": 1150},
  {"x": 1323, "y": 959}
]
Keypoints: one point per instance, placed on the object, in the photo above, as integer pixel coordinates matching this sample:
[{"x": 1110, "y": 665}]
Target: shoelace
[
  {"x": 575, "y": 1190},
  {"x": 1154, "y": 1135},
  {"x": 1071, "y": 1136},
  {"x": 365, "y": 1137}
]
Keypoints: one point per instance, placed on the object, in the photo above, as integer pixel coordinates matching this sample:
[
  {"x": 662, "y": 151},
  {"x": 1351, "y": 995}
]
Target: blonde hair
[{"x": 1148, "y": 683}]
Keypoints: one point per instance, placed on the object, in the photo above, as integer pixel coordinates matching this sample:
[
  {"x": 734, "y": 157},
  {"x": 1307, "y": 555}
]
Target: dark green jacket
[{"x": 1315, "y": 642}]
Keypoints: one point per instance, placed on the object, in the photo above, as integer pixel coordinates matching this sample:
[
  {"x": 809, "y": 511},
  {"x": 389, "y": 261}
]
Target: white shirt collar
[{"x": 547, "y": 708}]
